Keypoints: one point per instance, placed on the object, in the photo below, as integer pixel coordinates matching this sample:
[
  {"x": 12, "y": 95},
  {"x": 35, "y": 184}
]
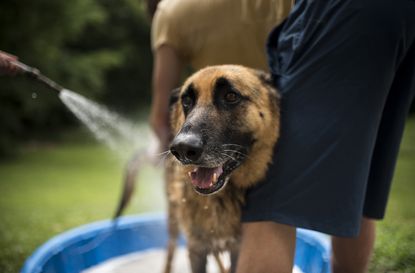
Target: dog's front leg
[
  {"x": 171, "y": 248},
  {"x": 172, "y": 217},
  {"x": 173, "y": 230},
  {"x": 170, "y": 254},
  {"x": 234, "y": 259},
  {"x": 222, "y": 268},
  {"x": 198, "y": 257}
]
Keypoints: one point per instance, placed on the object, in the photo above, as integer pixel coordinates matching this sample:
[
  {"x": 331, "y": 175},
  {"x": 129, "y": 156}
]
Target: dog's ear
[
  {"x": 266, "y": 79},
  {"x": 174, "y": 96},
  {"x": 175, "y": 110}
]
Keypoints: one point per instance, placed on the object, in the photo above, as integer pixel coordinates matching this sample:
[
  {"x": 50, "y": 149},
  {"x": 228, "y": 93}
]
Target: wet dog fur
[{"x": 225, "y": 123}]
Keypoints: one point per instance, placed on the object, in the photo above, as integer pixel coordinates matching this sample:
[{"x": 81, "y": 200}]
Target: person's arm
[
  {"x": 6, "y": 65},
  {"x": 166, "y": 76}
]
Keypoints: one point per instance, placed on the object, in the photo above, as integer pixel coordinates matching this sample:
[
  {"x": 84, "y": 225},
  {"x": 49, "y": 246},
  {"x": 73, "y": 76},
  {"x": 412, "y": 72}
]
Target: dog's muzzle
[
  {"x": 206, "y": 178},
  {"x": 187, "y": 148}
]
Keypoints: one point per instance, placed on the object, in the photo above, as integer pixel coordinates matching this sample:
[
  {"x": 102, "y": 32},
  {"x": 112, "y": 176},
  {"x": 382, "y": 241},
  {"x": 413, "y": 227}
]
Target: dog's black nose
[{"x": 187, "y": 148}]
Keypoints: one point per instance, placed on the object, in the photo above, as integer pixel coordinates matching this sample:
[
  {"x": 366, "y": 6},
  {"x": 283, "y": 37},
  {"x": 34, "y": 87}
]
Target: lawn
[
  {"x": 395, "y": 246},
  {"x": 50, "y": 188}
]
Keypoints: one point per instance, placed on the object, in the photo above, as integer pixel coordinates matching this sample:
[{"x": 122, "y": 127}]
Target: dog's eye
[
  {"x": 187, "y": 102},
  {"x": 232, "y": 97}
]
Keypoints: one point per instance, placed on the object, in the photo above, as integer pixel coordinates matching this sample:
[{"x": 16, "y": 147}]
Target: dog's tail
[
  {"x": 141, "y": 157},
  {"x": 130, "y": 174}
]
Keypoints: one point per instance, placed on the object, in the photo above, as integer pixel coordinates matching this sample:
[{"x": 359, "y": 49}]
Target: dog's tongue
[{"x": 204, "y": 178}]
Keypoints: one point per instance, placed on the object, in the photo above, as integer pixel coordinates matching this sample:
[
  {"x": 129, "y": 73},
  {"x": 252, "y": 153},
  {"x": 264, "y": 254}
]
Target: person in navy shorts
[{"x": 346, "y": 73}]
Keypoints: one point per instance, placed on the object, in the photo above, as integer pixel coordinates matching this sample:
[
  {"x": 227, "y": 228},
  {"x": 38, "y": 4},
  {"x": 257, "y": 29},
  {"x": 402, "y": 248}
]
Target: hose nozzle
[{"x": 35, "y": 73}]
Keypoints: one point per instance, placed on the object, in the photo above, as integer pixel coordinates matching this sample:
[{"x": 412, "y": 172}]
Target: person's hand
[{"x": 6, "y": 64}]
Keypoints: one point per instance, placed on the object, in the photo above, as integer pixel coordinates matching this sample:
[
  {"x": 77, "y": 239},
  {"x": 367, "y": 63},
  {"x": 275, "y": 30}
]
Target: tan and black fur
[{"x": 224, "y": 119}]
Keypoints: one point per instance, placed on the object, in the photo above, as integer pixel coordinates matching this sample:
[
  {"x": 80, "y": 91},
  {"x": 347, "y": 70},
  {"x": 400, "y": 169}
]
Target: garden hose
[{"x": 35, "y": 74}]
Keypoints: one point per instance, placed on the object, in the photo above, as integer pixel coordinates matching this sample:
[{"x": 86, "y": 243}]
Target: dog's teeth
[
  {"x": 215, "y": 178},
  {"x": 189, "y": 174}
]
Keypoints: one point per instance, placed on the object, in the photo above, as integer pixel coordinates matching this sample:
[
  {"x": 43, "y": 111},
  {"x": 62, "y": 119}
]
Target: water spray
[{"x": 109, "y": 128}]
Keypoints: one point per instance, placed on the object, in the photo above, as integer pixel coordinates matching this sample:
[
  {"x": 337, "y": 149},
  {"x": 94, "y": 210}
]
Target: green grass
[
  {"x": 52, "y": 188},
  {"x": 395, "y": 245},
  {"x": 49, "y": 189}
]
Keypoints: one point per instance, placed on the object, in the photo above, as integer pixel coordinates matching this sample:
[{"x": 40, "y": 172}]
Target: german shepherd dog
[{"x": 225, "y": 123}]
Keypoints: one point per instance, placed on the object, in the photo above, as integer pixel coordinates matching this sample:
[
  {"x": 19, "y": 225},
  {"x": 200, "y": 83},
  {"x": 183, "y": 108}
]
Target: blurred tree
[
  {"x": 128, "y": 87},
  {"x": 99, "y": 48}
]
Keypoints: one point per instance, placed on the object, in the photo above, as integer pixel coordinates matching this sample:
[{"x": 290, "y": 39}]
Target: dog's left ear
[
  {"x": 174, "y": 96},
  {"x": 266, "y": 79}
]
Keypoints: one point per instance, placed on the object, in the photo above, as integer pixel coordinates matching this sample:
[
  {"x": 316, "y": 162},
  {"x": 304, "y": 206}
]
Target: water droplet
[
  {"x": 206, "y": 207},
  {"x": 184, "y": 200},
  {"x": 34, "y": 95}
]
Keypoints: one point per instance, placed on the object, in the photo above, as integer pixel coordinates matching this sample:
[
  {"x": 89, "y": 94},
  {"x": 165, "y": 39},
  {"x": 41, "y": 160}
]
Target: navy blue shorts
[{"x": 346, "y": 72}]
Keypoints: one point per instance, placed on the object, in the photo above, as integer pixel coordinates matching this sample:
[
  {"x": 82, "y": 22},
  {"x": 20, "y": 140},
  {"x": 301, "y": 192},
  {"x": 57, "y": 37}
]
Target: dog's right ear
[
  {"x": 175, "y": 111},
  {"x": 174, "y": 96}
]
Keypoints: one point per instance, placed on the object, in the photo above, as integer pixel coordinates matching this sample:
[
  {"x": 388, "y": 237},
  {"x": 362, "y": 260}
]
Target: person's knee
[
  {"x": 266, "y": 247},
  {"x": 353, "y": 254}
]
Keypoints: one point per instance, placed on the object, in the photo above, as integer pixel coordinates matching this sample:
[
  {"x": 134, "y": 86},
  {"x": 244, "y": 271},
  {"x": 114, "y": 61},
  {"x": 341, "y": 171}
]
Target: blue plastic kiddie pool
[{"x": 93, "y": 244}]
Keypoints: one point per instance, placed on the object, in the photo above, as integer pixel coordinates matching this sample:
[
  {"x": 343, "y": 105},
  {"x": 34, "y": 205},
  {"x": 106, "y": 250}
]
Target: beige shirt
[{"x": 212, "y": 32}]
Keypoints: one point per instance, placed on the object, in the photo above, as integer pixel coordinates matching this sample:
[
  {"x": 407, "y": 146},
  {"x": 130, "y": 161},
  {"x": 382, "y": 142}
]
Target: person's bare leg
[
  {"x": 352, "y": 255},
  {"x": 266, "y": 247}
]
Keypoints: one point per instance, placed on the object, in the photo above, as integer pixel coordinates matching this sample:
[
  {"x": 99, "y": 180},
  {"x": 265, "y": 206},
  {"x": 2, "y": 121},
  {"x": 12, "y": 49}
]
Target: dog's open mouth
[{"x": 211, "y": 180}]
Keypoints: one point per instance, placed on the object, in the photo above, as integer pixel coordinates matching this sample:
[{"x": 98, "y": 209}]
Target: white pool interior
[{"x": 152, "y": 261}]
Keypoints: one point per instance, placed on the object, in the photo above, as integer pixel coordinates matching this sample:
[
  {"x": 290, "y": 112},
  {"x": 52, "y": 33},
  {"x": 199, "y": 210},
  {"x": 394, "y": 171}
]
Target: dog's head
[{"x": 225, "y": 120}]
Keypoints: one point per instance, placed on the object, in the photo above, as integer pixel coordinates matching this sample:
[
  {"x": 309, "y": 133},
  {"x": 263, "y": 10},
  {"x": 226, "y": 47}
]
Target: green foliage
[{"x": 99, "y": 48}]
